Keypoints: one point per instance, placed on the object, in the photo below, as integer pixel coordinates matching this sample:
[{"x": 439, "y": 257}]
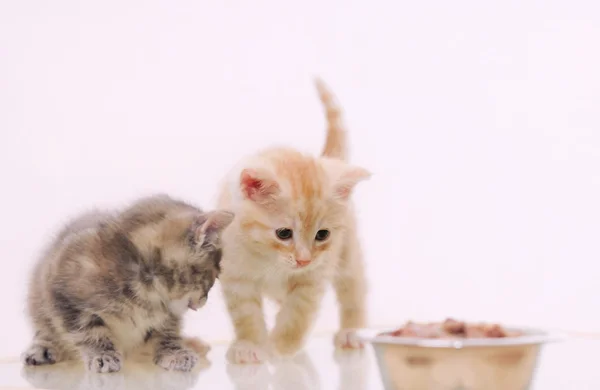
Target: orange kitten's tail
[{"x": 335, "y": 143}]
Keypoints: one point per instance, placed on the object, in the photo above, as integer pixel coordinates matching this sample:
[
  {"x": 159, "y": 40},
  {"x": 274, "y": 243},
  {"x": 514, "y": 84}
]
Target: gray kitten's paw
[
  {"x": 38, "y": 355},
  {"x": 107, "y": 361},
  {"x": 177, "y": 360},
  {"x": 197, "y": 345}
]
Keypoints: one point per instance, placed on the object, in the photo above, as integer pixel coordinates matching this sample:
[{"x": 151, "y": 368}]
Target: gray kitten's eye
[
  {"x": 322, "y": 235},
  {"x": 284, "y": 233}
]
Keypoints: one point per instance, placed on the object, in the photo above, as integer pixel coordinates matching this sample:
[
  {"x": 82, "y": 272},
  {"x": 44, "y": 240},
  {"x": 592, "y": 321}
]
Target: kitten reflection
[
  {"x": 249, "y": 376},
  {"x": 353, "y": 369},
  {"x": 71, "y": 376},
  {"x": 298, "y": 373}
]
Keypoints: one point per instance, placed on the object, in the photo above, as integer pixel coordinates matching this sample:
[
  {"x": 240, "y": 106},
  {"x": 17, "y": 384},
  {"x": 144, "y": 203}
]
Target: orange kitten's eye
[
  {"x": 284, "y": 234},
  {"x": 322, "y": 235}
]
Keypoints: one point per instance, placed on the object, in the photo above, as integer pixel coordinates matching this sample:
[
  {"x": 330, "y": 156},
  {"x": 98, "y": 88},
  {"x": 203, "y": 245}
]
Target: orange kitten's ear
[
  {"x": 349, "y": 178},
  {"x": 210, "y": 224},
  {"x": 258, "y": 186}
]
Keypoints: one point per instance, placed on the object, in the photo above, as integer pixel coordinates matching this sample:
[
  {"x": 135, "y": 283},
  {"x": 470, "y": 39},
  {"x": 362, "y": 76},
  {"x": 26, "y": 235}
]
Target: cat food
[{"x": 451, "y": 328}]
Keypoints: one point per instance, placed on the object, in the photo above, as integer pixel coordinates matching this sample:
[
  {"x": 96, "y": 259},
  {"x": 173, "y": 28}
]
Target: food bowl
[{"x": 458, "y": 364}]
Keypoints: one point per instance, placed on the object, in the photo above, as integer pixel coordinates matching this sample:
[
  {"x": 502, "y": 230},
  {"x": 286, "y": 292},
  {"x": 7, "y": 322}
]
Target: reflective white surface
[
  {"x": 319, "y": 367},
  {"x": 568, "y": 365}
]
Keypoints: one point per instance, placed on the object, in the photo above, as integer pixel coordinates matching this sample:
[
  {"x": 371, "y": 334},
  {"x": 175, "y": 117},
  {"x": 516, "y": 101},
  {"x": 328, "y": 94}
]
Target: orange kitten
[{"x": 294, "y": 232}]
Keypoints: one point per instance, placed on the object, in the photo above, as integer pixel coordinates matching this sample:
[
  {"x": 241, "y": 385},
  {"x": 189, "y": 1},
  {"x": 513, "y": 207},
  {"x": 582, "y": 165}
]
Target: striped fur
[
  {"x": 112, "y": 281},
  {"x": 336, "y": 140},
  {"x": 283, "y": 188}
]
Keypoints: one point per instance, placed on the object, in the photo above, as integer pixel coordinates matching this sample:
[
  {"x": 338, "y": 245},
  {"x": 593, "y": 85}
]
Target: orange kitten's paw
[
  {"x": 283, "y": 348},
  {"x": 197, "y": 345},
  {"x": 177, "y": 360},
  {"x": 347, "y": 339},
  {"x": 37, "y": 355},
  {"x": 245, "y": 352},
  {"x": 107, "y": 361}
]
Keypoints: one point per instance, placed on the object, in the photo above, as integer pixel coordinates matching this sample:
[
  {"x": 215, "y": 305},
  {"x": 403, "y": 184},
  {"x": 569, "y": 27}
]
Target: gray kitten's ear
[
  {"x": 212, "y": 223},
  {"x": 217, "y": 220}
]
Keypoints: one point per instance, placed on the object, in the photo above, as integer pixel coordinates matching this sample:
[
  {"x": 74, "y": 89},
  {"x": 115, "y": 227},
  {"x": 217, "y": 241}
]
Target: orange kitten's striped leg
[
  {"x": 351, "y": 291},
  {"x": 296, "y": 317},
  {"x": 351, "y": 298},
  {"x": 244, "y": 304}
]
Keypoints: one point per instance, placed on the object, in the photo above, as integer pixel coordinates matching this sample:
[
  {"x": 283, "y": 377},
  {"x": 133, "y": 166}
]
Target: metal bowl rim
[{"x": 532, "y": 336}]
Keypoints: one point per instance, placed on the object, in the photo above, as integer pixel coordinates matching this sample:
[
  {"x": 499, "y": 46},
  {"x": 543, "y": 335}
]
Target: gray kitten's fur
[{"x": 112, "y": 281}]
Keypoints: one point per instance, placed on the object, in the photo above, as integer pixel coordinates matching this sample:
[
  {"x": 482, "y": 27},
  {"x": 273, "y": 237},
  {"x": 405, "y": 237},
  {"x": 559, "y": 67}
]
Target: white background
[{"x": 479, "y": 119}]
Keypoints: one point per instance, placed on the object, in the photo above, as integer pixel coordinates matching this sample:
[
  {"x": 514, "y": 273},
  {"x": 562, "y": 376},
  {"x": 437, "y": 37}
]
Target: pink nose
[{"x": 302, "y": 263}]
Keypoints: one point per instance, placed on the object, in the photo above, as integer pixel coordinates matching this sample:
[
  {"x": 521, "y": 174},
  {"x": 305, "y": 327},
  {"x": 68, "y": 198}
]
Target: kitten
[
  {"x": 110, "y": 282},
  {"x": 294, "y": 232}
]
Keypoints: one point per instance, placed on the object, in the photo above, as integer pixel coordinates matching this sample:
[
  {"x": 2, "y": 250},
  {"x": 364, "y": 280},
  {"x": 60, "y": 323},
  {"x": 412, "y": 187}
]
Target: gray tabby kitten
[{"x": 113, "y": 281}]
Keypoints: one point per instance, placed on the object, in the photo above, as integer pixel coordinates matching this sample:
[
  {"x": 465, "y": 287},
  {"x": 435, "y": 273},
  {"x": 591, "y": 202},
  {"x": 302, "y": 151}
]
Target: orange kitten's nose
[{"x": 302, "y": 263}]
